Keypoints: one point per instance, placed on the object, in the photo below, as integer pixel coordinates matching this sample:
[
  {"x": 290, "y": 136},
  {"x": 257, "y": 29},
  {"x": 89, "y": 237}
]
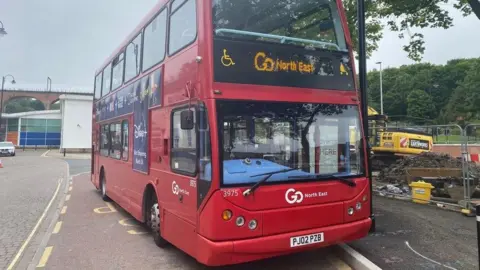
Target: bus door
[{"x": 182, "y": 199}]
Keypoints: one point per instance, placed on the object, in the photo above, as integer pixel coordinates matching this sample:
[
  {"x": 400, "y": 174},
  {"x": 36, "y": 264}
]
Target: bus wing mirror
[{"x": 186, "y": 120}]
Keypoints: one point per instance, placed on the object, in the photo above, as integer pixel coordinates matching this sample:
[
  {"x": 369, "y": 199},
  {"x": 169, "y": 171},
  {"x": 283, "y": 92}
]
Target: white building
[{"x": 76, "y": 115}]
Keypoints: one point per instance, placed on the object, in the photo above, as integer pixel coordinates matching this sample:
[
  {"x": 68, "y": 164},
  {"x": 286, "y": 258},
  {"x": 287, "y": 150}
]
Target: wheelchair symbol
[{"x": 226, "y": 60}]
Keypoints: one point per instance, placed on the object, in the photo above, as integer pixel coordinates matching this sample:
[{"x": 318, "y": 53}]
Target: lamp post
[
  {"x": 381, "y": 88},
  {"x": 1, "y": 96},
  {"x": 49, "y": 82},
  {"x": 2, "y": 30}
]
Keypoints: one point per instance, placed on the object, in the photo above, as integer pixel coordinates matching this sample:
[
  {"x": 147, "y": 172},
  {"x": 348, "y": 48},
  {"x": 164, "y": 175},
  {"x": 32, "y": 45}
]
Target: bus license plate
[{"x": 306, "y": 239}]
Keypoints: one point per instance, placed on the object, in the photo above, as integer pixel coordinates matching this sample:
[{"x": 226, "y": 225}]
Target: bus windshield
[
  {"x": 307, "y": 23},
  {"x": 263, "y": 137}
]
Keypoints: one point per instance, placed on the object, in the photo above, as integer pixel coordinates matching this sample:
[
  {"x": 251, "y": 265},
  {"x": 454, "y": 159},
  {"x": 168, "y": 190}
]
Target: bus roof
[{"x": 133, "y": 34}]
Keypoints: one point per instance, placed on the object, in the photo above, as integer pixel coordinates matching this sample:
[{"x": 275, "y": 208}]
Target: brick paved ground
[{"x": 27, "y": 183}]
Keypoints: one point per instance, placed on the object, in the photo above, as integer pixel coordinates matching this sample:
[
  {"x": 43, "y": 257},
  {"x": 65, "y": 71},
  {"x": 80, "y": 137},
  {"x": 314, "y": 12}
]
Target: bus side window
[
  {"x": 105, "y": 140},
  {"x": 115, "y": 140},
  {"x": 184, "y": 146},
  {"x": 125, "y": 140}
]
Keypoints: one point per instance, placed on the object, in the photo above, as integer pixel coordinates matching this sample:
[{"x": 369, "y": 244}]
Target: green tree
[
  {"x": 466, "y": 97},
  {"x": 23, "y": 105},
  {"x": 403, "y": 16},
  {"x": 420, "y": 107}
]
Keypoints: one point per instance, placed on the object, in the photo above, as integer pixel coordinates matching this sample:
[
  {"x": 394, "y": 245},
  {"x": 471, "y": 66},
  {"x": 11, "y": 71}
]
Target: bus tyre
[
  {"x": 154, "y": 223},
  {"x": 103, "y": 188}
]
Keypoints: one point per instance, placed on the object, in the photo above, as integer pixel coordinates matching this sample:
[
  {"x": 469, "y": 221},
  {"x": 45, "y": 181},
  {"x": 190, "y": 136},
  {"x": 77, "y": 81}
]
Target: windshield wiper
[
  {"x": 326, "y": 177},
  {"x": 268, "y": 175}
]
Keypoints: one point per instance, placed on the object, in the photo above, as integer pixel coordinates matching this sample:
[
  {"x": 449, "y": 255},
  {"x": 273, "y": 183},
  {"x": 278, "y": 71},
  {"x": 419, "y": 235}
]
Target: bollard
[
  {"x": 64, "y": 151},
  {"x": 477, "y": 213}
]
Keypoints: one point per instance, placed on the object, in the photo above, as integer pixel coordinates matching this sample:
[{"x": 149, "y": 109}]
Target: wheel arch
[{"x": 147, "y": 195}]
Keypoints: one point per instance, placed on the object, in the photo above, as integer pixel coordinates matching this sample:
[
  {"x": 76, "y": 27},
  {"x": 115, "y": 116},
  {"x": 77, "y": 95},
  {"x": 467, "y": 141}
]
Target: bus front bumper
[{"x": 239, "y": 251}]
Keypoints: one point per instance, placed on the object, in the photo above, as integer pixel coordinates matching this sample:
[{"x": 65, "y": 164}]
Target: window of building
[
  {"x": 117, "y": 74},
  {"x": 154, "y": 41},
  {"x": 98, "y": 86},
  {"x": 125, "y": 140},
  {"x": 183, "y": 26},
  {"x": 105, "y": 140},
  {"x": 107, "y": 77},
  {"x": 184, "y": 146},
  {"x": 116, "y": 140},
  {"x": 133, "y": 57}
]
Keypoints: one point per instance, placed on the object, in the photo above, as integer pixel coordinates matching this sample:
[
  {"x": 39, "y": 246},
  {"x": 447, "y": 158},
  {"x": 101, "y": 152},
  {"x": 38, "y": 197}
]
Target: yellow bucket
[{"x": 421, "y": 191}]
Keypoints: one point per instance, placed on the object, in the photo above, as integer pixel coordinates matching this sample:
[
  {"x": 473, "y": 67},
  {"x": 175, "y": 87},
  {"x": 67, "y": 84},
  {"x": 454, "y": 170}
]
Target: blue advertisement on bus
[
  {"x": 122, "y": 102},
  {"x": 140, "y": 125}
]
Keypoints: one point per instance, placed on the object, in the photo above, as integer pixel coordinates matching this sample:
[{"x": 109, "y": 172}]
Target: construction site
[{"x": 434, "y": 164}]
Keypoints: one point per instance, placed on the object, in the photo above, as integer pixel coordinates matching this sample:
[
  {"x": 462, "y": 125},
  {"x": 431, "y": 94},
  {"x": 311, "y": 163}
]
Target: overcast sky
[{"x": 68, "y": 40}]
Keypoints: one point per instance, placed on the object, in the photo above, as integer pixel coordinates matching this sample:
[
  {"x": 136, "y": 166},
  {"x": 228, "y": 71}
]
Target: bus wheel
[
  {"x": 103, "y": 187},
  {"x": 154, "y": 223}
]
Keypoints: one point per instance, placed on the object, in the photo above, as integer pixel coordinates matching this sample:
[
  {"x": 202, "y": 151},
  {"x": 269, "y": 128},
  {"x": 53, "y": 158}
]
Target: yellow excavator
[{"x": 390, "y": 144}]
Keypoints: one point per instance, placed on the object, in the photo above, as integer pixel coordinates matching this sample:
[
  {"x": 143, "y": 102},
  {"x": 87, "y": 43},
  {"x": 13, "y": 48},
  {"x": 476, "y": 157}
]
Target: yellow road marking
[
  {"x": 46, "y": 254},
  {"x": 109, "y": 205},
  {"x": 106, "y": 209},
  {"x": 64, "y": 210},
  {"x": 29, "y": 238},
  {"x": 57, "y": 228},
  {"x": 337, "y": 263},
  {"x": 135, "y": 232},
  {"x": 124, "y": 222},
  {"x": 67, "y": 198}
]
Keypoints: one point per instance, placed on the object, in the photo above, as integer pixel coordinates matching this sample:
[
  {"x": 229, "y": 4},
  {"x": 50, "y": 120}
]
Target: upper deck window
[
  {"x": 98, "y": 86},
  {"x": 117, "y": 76},
  {"x": 183, "y": 25},
  {"x": 107, "y": 78},
  {"x": 132, "y": 66},
  {"x": 305, "y": 23},
  {"x": 154, "y": 41}
]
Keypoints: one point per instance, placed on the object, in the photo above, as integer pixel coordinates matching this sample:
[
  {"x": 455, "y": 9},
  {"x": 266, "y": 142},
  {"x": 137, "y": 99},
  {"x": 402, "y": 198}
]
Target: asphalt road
[
  {"x": 27, "y": 184},
  {"x": 413, "y": 236}
]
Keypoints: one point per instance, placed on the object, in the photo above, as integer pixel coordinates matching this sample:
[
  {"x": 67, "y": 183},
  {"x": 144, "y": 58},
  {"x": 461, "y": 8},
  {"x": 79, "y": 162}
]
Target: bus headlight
[
  {"x": 252, "y": 225},
  {"x": 350, "y": 211},
  {"x": 240, "y": 221}
]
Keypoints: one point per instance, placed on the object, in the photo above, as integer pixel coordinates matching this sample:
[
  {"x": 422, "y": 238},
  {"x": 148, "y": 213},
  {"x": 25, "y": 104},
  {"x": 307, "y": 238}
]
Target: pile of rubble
[{"x": 396, "y": 173}]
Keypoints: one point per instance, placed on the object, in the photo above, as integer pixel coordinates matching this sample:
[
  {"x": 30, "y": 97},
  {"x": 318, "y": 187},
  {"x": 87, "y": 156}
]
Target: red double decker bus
[{"x": 232, "y": 128}]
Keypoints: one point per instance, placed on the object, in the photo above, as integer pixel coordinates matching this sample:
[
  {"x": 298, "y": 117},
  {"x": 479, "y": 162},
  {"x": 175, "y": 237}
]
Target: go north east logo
[
  {"x": 176, "y": 190},
  {"x": 294, "y": 196}
]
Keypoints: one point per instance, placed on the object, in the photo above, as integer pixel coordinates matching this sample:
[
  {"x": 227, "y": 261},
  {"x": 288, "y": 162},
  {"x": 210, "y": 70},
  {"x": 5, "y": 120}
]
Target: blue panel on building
[{"x": 39, "y": 139}]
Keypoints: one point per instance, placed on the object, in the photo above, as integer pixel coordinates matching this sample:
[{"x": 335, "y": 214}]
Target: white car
[{"x": 7, "y": 149}]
